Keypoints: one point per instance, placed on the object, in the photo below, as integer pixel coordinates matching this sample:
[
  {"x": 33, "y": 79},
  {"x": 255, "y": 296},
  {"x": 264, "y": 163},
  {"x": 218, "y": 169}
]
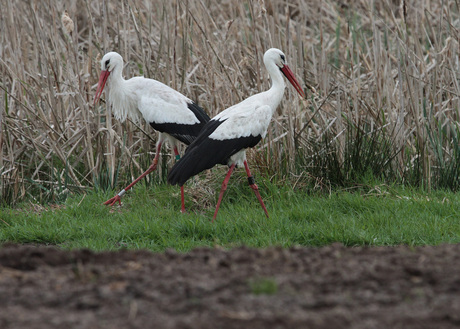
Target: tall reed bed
[{"x": 381, "y": 79}]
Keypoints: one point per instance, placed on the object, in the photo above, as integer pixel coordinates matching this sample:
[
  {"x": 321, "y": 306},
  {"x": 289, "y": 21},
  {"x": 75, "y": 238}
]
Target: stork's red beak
[
  {"x": 290, "y": 76},
  {"x": 100, "y": 87}
]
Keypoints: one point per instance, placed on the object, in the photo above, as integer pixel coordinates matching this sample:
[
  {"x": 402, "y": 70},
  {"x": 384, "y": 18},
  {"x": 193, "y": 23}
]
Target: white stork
[
  {"x": 225, "y": 138},
  {"x": 176, "y": 117}
]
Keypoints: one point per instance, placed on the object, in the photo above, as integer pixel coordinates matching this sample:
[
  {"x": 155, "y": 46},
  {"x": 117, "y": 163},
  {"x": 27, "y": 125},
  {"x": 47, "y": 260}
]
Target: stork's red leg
[
  {"x": 255, "y": 188},
  {"x": 153, "y": 166},
  {"x": 222, "y": 190},
  {"x": 182, "y": 199}
]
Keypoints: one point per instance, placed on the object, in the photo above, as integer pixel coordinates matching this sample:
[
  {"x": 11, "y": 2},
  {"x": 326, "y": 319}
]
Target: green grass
[
  {"x": 263, "y": 286},
  {"x": 150, "y": 219}
]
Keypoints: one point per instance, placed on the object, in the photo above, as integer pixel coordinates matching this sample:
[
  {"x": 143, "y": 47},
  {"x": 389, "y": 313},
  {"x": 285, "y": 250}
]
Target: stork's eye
[
  {"x": 107, "y": 63},
  {"x": 282, "y": 58}
]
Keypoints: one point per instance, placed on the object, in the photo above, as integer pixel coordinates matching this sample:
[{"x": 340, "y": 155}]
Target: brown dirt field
[{"x": 329, "y": 287}]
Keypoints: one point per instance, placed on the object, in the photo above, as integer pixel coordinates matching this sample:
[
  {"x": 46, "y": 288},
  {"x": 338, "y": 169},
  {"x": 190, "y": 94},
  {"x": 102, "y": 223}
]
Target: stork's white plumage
[
  {"x": 176, "y": 117},
  {"x": 225, "y": 137}
]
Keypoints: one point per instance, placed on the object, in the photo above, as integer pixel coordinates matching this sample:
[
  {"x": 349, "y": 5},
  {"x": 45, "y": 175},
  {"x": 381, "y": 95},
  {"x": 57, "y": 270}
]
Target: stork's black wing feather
[{"x": 205, "y": 153}]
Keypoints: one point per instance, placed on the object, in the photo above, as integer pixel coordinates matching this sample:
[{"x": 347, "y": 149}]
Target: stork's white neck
[
  {"x": 122, "y": 97},
  {"x": 276, "y": 91},
  {"x": 116, "y": 77}
]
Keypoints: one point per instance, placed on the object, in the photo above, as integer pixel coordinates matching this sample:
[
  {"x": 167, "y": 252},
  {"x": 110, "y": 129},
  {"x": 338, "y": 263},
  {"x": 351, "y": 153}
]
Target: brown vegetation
[{"x": 383, "y": 66}]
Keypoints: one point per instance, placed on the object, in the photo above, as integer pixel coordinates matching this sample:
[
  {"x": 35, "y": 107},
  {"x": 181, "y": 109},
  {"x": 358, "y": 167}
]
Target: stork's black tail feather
[
  {"x": 199, "y": 113},
  {"x": 186, "y": 133},
  {"x": 177, "y": 175}
]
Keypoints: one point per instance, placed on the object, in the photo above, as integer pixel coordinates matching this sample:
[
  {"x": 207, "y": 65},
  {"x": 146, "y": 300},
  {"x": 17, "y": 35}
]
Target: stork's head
[
  {"x": 110, "y": 62},
  {"x": 277, "y": 57}
]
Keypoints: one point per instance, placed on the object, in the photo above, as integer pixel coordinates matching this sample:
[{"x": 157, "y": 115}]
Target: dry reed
[{"x": 387, "y": 66}]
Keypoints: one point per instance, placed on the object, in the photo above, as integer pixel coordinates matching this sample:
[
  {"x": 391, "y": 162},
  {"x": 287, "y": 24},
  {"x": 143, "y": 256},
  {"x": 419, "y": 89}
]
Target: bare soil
[{"x": 329, "y": 287}]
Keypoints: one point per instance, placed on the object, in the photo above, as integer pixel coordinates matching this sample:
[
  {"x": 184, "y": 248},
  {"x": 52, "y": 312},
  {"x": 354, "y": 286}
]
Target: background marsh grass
[{"x": 381, "y": 79}]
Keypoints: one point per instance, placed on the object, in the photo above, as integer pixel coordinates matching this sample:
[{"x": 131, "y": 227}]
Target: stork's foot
[{"x": 113, "y": 200}]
